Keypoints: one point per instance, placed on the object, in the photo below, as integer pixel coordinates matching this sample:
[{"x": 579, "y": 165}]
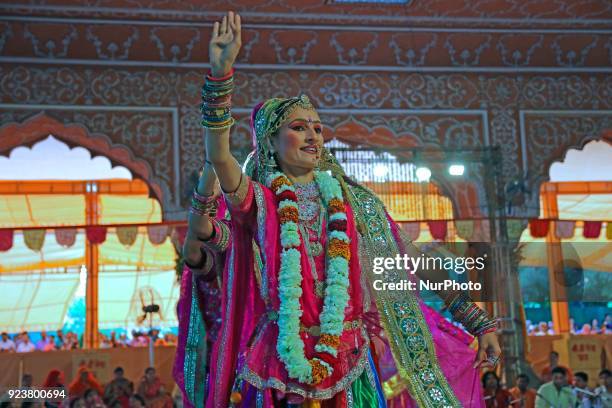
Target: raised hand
[{"x": 225, "y": 44}]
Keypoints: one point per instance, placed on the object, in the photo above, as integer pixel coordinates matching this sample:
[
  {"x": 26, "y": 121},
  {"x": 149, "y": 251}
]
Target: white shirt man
[
  {"x": 25, "y": 346},
  {"x": 6, "y": 344}
]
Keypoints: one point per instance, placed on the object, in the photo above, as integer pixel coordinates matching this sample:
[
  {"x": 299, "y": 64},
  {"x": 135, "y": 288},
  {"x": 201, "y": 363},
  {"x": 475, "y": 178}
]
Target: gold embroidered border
[
  {"x": 344, "y": 383},
  {"x": 401, "y": 316}
]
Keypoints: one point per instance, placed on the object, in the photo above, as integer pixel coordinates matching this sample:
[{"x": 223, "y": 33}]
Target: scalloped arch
[
  {"x": 39, "y": 126},
  {"x": 579, "y": 145}
]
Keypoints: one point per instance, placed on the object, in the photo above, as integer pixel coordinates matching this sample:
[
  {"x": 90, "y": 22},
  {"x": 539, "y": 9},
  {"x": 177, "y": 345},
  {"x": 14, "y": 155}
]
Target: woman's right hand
[{"x": 225, "y": 44}]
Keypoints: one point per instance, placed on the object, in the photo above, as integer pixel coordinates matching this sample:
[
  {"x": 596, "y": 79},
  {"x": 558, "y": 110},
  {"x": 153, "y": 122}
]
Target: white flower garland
[{"x": 290, "y": 346}]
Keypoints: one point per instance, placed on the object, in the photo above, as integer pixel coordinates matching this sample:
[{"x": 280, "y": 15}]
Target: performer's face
[{"x": 299, "y": 142}]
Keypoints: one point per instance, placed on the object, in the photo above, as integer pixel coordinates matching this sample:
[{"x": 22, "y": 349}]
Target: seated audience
[
  {"x": 553, "y": 359},
  {"x": 43, "y": 343},
  {"x": 581, "y": 390},
  {"x": 494, "y": 395},
  {"x": 55, "y": 379},
  {"x": 6, "y": 344},
  {"x": 25, "y": 345},
  {"x": 119, "y": 390},
  {"x": 153, "y": 391},
  {"x": 93, "y": 399},
  {"x": 84, "y": 380},
  {"x": 604, "y": 391},
  {"x": 557, "y": 392},
  {"x": 522, "y": 395}
]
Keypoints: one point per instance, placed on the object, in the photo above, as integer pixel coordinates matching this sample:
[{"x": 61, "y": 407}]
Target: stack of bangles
[
  {"x": 217, "y": 102},
  {"x": 203, "y": 205},
  {"x": 473, "y": 318},
  {"x": 220, "y": 237}
]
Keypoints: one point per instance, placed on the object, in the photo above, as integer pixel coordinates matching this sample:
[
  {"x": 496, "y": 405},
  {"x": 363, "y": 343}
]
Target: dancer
[{"x": 301, "y": 323}]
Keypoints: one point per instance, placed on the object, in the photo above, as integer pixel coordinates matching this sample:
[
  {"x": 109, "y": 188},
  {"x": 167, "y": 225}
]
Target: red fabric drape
[
  {"x": 438, "y": 229},
  {"x": 412, "y": 229},
  {"x": 96, "y": 235},
  {"x": 538, "y": 228},
  {"x": 6, "y": 239},
  {"x": 66, "y": 237},
  {"x": 157, "y": 234},
  {"x": 591, "y": 229}
]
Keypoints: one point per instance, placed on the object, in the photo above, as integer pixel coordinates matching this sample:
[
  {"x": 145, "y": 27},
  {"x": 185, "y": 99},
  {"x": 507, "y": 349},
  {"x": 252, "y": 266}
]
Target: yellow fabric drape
[
  {"x": 127, "y": 235},
  {"x": 34, "y": 239},
  {"x": 465, "y": 229}
]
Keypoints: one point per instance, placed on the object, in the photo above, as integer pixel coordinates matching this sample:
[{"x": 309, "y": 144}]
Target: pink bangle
[{"x": 223, "y": 78}]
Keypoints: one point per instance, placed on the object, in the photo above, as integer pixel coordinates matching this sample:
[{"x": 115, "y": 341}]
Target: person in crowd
[
  {"x": 546, "y": 374},
  {"x": 71, "y": 342},
  {"x": 42, "y": 344},
  {"x": 154, "y": 335},
  {"x": 113, "y": 340},
  {"x": 595, "y": 328},
  {"x": 522, "y": 395},
  {"x": 170, "y": 339},
  {"x": 139, "y": 339},
  {"x": 50, "y": 346},
  {"x": 572, "y": 325},
  {"x": 25, "y": 345},
  {"x": 604, "y": 391},
  {"x": 55, "y": 379},
  {"x": 586, "y": 329},
  {"x": 153, "y": 391},
  {"x": 84, "y": 380},
  {"x": 494, "y": 394},
  {"x": 119, "y": 390},
  {"x": 581, "y": 390},
  {"x": 6, "y": 344},
  {"x": 543, "y": 329},
  {"x": 136, "y": 401},
  {"x": 93, "y": 399},
  {"x": 59, "y": 339},
  {"x": 105, "y": 342},
  {"x": 123, "y": 340},
  {"x": 607, "y": 324},
  {"x": 556, "y": 393}
]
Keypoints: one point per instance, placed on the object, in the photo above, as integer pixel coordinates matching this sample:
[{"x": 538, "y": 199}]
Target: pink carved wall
[{"x": 530, "y": 77}]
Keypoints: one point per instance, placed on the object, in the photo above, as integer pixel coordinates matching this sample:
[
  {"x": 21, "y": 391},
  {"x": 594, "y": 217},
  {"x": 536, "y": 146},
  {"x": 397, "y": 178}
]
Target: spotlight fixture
[
  {"x": 380, "y": 170},
  {"x": 423, "y": 174},
  {"x": 456, "y": 169}
]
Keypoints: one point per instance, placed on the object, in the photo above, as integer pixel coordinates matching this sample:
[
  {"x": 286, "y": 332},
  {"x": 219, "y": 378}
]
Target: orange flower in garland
[
  {"x": 288, "y": 214},
  {"x": 329, "y": 340},
  {"x": 320, "y": 370},
  {"x": 278, "y": 182},
  {"x": 337, "y": 247}
]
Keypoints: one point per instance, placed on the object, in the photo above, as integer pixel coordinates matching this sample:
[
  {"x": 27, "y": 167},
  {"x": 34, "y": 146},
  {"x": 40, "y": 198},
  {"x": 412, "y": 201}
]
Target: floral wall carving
[{"x": 533, "y": 80}]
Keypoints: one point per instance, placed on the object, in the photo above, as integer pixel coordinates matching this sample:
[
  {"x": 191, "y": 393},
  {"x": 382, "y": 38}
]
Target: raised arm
[{"x": 224, "y": 46}]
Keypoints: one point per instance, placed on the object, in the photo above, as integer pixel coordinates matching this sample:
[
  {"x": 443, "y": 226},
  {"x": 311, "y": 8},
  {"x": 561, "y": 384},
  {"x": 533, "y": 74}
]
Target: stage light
[
  {"x": 423, "y": 174},
  {"x": 456, "y": 169},
  {"x": 380, "y": 171}
]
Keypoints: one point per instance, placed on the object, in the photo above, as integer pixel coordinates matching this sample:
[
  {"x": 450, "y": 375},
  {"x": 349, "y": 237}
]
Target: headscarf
[
  {"x": 55, "y": 378},
  {"x": 78, "y": 386},
  {"x": 266, "y": 118}
]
